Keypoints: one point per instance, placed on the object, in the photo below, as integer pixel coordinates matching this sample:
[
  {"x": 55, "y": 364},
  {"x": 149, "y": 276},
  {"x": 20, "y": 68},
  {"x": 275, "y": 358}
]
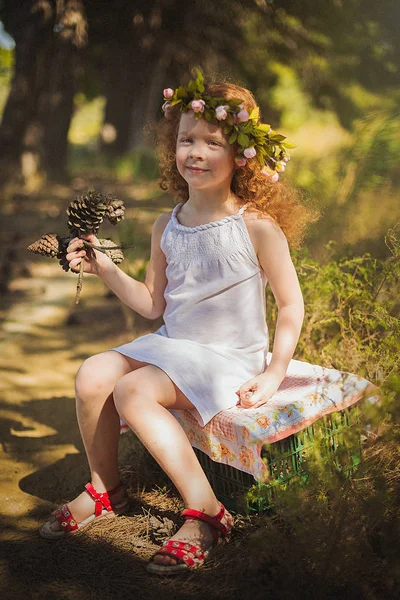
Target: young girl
[{"x": 210, "y": 260}]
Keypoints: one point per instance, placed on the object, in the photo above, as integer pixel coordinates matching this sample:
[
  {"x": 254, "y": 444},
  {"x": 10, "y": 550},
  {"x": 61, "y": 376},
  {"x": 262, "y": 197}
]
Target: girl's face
[{"x": 204, "y": 157}]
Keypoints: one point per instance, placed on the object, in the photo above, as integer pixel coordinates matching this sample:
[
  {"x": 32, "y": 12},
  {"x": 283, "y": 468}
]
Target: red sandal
[
  {"x": 103, "y": 508},
  {"x": 192, "y": 556}
]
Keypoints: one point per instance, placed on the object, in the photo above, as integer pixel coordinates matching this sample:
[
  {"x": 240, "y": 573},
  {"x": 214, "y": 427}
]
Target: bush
[{"x": 352, "y": 309}]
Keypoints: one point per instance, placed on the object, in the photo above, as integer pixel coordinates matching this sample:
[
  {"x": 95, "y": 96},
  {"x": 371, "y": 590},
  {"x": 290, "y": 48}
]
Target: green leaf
[
  {"x": 192, "y": 86},
  {"x": 277, "y": 137},
  {"x": 181, "y": 92},
  {"x": 246, "y": 127},
  {"x": 255, "y": 113},
  {"x": 200, "y": 80},
  {"x": 288, "y": 145},
  {"x": 243, "y": 139},
  {"x": 196, "y": 86},
  {"x": 219, "y": 101},
  {"x": 234, "y": 102},
  {"x": 233, "y": 137},
  {"x": 261, "y": 150},
  {"x": 264, "y": 127}
]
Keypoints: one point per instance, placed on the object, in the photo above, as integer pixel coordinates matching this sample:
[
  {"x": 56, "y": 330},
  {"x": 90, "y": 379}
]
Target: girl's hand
[
  {"x": 95, "y": 262},
  {"x": 258, "y": 391}
]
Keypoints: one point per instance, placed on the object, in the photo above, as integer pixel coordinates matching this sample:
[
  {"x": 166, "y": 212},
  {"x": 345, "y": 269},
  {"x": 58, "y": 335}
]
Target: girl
[{"x": 210, "y": 260}]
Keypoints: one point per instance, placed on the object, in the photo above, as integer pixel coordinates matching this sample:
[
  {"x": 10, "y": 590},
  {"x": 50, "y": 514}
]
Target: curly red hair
[{"x": 278, "y": 200}]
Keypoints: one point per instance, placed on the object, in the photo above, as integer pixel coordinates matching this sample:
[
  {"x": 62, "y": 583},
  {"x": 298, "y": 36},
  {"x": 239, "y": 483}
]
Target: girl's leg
[
  {"x": 99, "y": 424},
  {"x": 142, "y": 399}
]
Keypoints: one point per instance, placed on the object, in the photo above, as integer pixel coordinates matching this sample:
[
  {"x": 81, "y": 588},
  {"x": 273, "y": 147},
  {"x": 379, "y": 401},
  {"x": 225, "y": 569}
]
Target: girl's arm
[
  {"x": 274, "y": 257},
  {"x": 146, "y": 298}
]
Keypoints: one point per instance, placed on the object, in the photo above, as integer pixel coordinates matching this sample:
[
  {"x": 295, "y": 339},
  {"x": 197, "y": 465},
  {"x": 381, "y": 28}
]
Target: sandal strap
[
  {"x": 66, "y": 519},
  {"x": 102, "y": 501},
  {"x": 177, "y": 549},
  {"x": 214, "y": 522}
]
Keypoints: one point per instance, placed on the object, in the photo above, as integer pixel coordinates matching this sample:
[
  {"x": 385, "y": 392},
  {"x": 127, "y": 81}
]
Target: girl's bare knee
[
  {"x": 126, "y": 392},
  {"x": 147, "y": 386},
  {"x": 94, "y": 379}
]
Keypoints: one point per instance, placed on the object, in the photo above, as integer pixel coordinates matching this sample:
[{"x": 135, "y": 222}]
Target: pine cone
[
  {"x": 115, "y": 209},
  {"x": 62, "y": 252},
  {"x": 47, "y": 245},
  {"x": 86, "y": 213},
  {"x": 161, "y": 529},
  {"x": 117, "y": 256}
]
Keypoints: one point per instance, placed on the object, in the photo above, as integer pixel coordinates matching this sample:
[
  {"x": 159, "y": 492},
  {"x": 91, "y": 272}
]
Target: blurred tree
[
  {"x": 351, "y": 44},
  {"x": 29, "y": 27},
  {"x": 334, "y": 49},
  {"x": 33, "y": 132},
  {"x": 153, "y": 42}
]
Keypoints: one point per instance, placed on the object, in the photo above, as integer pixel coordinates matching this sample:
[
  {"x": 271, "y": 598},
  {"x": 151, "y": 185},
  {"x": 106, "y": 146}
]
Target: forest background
[{"x": 79, "y": 80}]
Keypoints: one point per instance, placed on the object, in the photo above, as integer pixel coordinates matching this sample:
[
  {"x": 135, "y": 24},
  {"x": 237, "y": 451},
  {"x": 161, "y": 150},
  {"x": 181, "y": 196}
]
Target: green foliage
[
  {"x": 340, "y": 533},
  {"x": 372, "y": 158},
  {"x": 352, "y": 312}
]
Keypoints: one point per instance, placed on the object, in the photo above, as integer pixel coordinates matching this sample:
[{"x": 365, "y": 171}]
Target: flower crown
[{"x": 252, "y": 138}]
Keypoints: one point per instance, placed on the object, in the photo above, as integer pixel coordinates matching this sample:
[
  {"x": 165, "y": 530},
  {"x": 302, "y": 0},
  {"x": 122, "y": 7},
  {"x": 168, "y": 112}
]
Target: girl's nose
[{"x": 196, "y": 152}]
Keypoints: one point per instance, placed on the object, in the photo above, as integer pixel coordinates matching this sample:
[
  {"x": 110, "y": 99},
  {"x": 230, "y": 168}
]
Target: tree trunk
[
  {"x": 30, "y": 24},
  {"x": 33, "y": 134},
  {"x": 121, "y": 92},
  {"x": 56, "y": 107},
  {"x": 133, "y": 63}
]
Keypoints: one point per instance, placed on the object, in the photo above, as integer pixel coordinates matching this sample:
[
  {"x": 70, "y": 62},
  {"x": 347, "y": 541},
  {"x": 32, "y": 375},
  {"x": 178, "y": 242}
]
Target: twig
[
  {"x": 104, "y": 248},
  {"x": 92, "y": 247},
  {"x": 80, "y": 281}
]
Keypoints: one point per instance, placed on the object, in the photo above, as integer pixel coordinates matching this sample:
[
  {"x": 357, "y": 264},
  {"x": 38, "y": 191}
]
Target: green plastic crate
[{"x": 331, "y": 435}]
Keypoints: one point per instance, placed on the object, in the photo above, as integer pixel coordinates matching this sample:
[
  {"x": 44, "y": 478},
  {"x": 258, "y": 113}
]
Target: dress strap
[{"x": 244, "y": 207}]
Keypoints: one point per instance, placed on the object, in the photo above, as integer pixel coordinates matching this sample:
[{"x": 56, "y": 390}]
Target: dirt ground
[{"x": 44, "y": 338}]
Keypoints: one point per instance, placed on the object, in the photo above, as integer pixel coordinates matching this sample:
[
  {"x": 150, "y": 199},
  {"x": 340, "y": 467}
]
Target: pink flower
[
  {"x": 240, "y": 161},
  {"x": 197, "y": 106},
  {"x": 242, "y": 116},
  {"x": 220, "y": 112},
  {"x": 250, "y": 152},
  {"x": 280, "y": 167},
  {"x": 286, "y": 157},
  {"x": 168, "y": 93},
  {"x": 271, "y": 175}
]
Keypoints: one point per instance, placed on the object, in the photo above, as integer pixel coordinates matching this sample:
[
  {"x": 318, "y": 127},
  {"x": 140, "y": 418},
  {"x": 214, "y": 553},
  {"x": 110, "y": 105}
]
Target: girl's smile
[{"x": 193, "y": 169}]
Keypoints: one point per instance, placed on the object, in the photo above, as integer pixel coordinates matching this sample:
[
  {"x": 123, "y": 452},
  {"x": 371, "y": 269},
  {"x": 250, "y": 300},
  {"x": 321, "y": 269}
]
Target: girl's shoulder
[
  {"x": 161, "y": 222},
  {"x": 159, "y": 227},
  {"x": 264, "y": 232},
  {"x": 262, "y": 223}
]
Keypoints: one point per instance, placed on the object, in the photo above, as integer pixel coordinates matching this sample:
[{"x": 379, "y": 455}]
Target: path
[{"x": 44, "y": 338}]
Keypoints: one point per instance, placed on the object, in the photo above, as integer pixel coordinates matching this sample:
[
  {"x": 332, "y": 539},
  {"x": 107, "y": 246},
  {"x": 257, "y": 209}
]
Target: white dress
[{"x": 214, "y": 336}]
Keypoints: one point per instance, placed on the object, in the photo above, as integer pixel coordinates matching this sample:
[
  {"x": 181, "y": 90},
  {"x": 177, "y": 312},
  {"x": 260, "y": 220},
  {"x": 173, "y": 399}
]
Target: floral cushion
[{"x": 308, "y": 392}]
